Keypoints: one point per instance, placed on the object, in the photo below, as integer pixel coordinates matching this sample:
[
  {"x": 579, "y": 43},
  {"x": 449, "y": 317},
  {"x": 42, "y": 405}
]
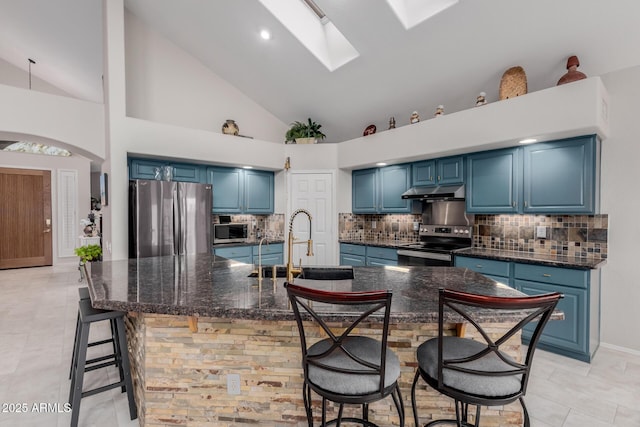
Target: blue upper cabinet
[
  {"x": 146, "y": 169},
  {"x": 393, "y": 181},
  {"x": 143, "y": 169},
  {"x": 445, "y": 171},
  {"x": 380, "y": 190},
  {"x": 559, "y": 177},
  {"x": 258, "y": 194},
  {"x": 241, "y": 191},
  {"x": 228, "y": 189},
  {"x": 493, "y": 181},
  {"x": 187, "y": 173},
  {"x": 424, "y": 173},
  {"x": 364, "y": 191}
]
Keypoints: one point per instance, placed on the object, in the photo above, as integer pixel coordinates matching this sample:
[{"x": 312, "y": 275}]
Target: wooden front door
[{"x": 25, "y": 218}]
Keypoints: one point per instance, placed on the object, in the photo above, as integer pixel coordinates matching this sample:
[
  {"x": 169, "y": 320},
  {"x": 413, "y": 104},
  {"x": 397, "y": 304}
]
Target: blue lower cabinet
[
  {"x": 379, "y": 256},
  {"x": 236, "y": 253},
  {"x": 354, "y": 260},
  {"x": 500, "y": 271},
  {"x": 353, "y": 254},
  {"x": 272, "y": 254},
  {"x": 578, "y": 335}
]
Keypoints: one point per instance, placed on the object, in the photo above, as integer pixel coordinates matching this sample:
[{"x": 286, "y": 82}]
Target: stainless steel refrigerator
[{"x": 169, "y": 218}]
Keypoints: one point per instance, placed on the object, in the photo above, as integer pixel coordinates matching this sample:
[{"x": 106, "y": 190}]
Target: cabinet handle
[
  {"x": 546, "y": 275},
  {"x": 439, "y": 177},
  {"x": 513, "y": 204},
  {"x": 525, "y": 204}
]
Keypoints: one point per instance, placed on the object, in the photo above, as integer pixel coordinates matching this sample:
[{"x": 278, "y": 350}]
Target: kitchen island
[{"x": 195, "y": 321}]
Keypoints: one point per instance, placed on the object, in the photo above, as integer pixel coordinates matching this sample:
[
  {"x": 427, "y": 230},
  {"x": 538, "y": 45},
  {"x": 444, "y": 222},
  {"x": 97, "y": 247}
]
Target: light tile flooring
[{"x": 38, "y": 308}]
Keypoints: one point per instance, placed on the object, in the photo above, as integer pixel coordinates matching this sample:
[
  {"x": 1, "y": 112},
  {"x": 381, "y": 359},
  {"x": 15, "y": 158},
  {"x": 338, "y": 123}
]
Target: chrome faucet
[{"x": 291, "y": 270}]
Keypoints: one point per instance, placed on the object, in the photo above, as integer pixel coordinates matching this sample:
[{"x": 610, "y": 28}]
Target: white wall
[
  {"x": 11, "y": 75},
  {"x": 54, "y": 164},
  {"x": 620, "y": 199},
  {"x": 166, "y": 84}
]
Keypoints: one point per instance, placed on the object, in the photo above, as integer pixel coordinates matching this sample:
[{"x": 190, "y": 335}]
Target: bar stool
[
  {"x": 83, "y": 294},
  {"x": 80, "y": 364}
]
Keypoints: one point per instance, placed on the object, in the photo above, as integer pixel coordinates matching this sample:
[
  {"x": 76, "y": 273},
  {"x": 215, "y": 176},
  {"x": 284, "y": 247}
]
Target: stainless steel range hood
[{"x": 441, "y": 192}]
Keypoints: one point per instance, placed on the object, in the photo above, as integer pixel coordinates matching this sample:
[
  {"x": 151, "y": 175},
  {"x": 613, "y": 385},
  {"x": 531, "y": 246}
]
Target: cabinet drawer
[
  {"x": 382, "y": 253},
  {"x": 274, "y": 248},
  {"x": 347, "y": 248},
  {"x": 380, "y": 262},
  {"x": 554, "y": 275},
  {"x": 353, "y": 260},
  {"x": 234, "y": 252},
  {"x": 484, "y": 266}
]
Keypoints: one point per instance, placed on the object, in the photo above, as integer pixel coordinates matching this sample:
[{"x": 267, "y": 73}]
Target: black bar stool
[
  {"x": 80, "y": 364},
  {"x": 83, "y": 294}
]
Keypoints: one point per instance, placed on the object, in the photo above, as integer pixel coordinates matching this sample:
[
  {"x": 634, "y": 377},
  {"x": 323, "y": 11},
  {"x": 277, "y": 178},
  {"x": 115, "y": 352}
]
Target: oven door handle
[{"x": 426, "y": 255}]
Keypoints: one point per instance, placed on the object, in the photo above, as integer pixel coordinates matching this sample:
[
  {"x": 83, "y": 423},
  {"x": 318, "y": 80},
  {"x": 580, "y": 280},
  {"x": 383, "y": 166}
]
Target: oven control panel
[{"x": 445, "y": 230}]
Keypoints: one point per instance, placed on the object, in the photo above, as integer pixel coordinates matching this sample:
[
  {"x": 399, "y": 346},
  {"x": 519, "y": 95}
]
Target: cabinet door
[
  {"x": 424, "y": 173},
  {"x": 364, "y": 191},
  {"x": 186, "y": 172},
  {"x": 228, "y": 189},
  {"x": 143, "y": 169},
  {"x": 450, "y": 170},
  {"x": 394, "y": 180},
  {"x": 492, "y": 182},
  {"x": 258, "y": 192},
  {"x": 559, "y": 176},
  {"x": 351, "y": 259},
  {"x": 568, "y": 336},
  {"x": 236, "y": 253},
  {"x": 269, "y": 259}
]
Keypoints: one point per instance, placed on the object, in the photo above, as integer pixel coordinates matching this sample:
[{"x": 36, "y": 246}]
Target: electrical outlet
[
  {"x": 373, "y": 225},
  {"x": 233, "y": 383},
  {"x": 416, "y": 226},
  {"x": 541, "y": 232}
]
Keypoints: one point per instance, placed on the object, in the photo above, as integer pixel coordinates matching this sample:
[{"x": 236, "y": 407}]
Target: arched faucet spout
[{"x": 291, "y": 270}]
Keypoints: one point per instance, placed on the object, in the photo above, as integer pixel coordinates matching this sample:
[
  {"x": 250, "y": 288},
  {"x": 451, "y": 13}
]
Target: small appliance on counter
[
  {"x": 169, "y": 218},
  {"x": 229, "y": 232},
  {"x": 445, "y": 228}
]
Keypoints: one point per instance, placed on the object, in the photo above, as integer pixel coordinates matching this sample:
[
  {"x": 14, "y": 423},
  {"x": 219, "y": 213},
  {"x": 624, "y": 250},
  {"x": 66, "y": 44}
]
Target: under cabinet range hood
[{"x": 441, "y": 192}]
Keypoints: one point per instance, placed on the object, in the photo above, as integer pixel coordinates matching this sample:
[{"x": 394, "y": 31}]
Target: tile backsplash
[
  {"x": 378, "y": 227},
  {"x": 580, "y": 236},
  {"x": 271, "y": 226}
]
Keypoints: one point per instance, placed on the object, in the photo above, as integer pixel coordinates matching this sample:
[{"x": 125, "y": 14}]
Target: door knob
[{"x": 47, "y": 230}]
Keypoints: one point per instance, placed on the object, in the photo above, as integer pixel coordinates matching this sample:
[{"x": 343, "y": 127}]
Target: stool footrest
[
  {"x": 107, "y": 341},
  {"x": 103, "y": 388},
  {"x": 101, "y": 365}
]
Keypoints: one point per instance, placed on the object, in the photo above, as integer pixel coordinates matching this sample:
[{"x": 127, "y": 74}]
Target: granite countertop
[
  {"x": 381, "y": 243},
  {"x": 533, "y": 258},
  {"x": 206, "y": 285}
]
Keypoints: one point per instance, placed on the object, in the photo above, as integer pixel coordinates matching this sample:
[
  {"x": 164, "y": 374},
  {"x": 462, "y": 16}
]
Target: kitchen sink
[{"x": 310, "y": 273}]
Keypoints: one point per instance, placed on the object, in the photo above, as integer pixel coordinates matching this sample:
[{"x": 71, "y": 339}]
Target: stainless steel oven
[{"x": 436, "y": 247}]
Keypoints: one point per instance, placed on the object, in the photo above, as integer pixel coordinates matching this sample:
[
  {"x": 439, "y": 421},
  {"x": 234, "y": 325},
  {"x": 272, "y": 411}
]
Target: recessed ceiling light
[
  {"x": 247, "y": 167},
  {"x": 265, "y": 35},
  {"x": 527, "y": 141},
  {"x": 381, "y": 164}
]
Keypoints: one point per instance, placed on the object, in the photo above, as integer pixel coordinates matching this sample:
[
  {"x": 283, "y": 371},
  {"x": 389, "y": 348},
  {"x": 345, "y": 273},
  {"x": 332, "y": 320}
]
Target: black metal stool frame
[
  {"x": 538, "y": 307},
  {"x": 377, "y": 300}
]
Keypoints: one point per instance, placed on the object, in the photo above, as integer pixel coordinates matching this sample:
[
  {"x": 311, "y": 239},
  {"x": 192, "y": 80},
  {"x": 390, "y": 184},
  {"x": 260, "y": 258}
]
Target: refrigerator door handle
[{"x": 177, "y": 208}]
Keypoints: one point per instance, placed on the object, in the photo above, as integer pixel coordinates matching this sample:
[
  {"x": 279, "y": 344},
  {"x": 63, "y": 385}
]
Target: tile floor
[{"x": 38, "y": 308}]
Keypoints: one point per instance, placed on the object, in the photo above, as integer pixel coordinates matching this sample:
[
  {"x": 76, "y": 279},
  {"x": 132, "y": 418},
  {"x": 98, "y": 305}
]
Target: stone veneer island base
[{"x": 189, "y": 329}]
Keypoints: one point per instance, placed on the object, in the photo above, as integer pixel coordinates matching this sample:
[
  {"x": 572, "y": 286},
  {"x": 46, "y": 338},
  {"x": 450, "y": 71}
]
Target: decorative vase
[
  {"x": 572, "y": 74},
  {"x": 230, "y": 127},
  {"x": 306, "y": 140}
]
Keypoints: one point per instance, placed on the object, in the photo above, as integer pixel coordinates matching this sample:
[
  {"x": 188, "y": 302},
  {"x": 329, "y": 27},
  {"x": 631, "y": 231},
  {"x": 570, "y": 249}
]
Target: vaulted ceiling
[{"x": 446, "y": 60}]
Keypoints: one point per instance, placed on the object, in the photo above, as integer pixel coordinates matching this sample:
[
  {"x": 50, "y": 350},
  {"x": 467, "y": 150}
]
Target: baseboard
[{"x": 619, "y": 348}]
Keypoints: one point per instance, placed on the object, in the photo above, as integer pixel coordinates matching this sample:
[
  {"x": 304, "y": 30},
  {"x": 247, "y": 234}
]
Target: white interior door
[{"x": 313, "y": 191}]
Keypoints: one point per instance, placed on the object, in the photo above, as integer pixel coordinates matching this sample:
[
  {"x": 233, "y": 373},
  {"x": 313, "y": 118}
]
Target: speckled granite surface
[
  {"x": 380, "y": 243},
  {"x": 250, "y": 242},
  {"x": 205, "y": 285},
  {"x": 531, "y": 258}
]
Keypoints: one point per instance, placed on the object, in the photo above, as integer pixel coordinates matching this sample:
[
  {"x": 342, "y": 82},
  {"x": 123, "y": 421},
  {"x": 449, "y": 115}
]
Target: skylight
[
  {"x": 412, "y": 12},
  {"x": 308, "y": 23}
]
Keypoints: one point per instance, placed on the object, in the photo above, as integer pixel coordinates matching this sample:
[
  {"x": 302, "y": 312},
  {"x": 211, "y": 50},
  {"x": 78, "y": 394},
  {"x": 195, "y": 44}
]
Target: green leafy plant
[
  {"x": 310, "y": 129},
  {"x": 88, "y": 253}
]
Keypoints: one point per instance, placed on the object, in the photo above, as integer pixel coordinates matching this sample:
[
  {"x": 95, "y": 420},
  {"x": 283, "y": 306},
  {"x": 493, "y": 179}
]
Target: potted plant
[
  {"x": 304, "y": 133},
  {"x": 88, "y": 253}
]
